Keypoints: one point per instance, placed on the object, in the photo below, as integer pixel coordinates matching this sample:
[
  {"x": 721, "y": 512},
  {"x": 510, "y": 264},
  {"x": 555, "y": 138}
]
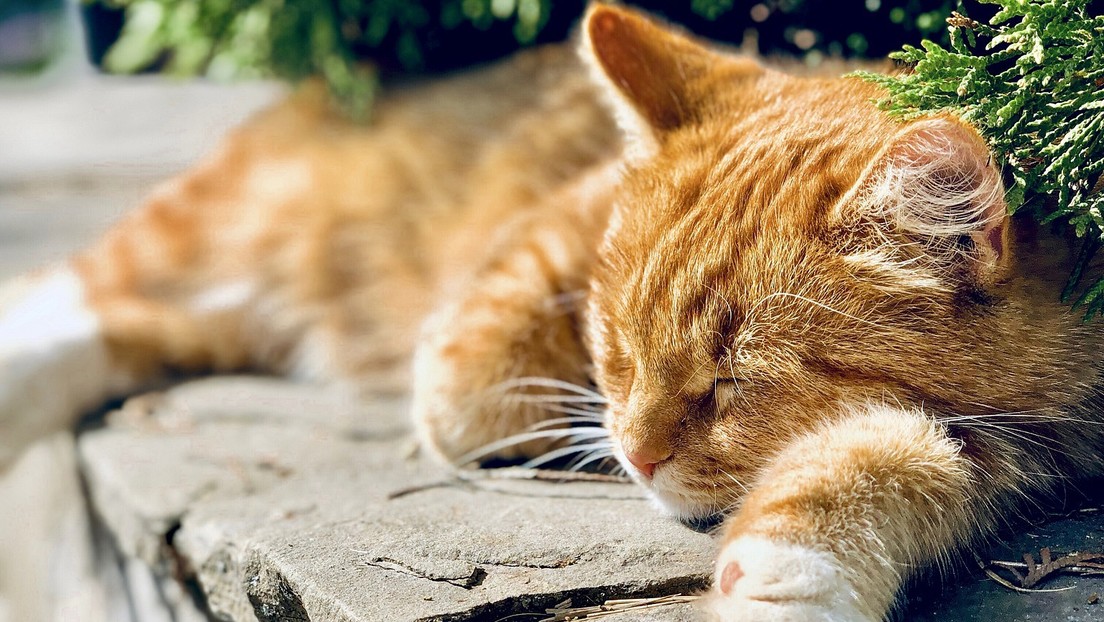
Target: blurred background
[
  {"x": 94, "y": 111},
  {"x": 356, "y": 44}
]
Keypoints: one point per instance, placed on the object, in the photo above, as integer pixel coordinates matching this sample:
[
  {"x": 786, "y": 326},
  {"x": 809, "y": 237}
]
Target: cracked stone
[
  {"x": 458, "y": 573},
  {"x": 277, "y": 511},
  {"x": 272, "y": 504}
]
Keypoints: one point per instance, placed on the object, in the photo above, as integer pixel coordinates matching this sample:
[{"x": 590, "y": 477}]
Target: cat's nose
[{"x": 645, "y": 461}]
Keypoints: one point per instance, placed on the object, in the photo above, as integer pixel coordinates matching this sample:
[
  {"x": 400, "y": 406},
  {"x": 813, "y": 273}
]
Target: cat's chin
[
  {"x": 671, "y": 499},
  {"x": 699, "y": 514}
]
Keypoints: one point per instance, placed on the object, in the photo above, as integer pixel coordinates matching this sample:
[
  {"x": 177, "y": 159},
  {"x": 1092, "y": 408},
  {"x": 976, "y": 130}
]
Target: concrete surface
[
  {"x": 298, "y": 507},
  {"x": 976, "y": 597},
  {"x": 257, "y": 499},
  {"x": 76, "y": 152}
]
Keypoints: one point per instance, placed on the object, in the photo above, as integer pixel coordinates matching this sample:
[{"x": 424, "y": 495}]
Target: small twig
[
  {"x": 1085, "y": 568},
  {"x": 564, "y": 612},
  {"x": 548, "y": 475},
  {"x": 1008, "y": 584},
  {"x": 462, "y": 574},
  {"x": 1085, "y": 564},
  {"x": 1039, "y": 572},
  {"x": 465, "y": 476}
]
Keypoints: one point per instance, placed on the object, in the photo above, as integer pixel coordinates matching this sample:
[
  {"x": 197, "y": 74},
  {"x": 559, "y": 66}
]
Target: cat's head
[{"x": 781, "y": 251}]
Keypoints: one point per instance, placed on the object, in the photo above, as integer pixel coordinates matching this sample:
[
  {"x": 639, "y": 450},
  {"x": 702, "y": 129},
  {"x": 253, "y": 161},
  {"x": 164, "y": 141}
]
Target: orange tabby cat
[{"x": 791, "y": 304}]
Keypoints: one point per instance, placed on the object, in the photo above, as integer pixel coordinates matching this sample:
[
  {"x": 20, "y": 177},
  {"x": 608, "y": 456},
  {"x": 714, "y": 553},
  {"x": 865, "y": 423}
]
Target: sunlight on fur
[{"x": 754, "y": 294}]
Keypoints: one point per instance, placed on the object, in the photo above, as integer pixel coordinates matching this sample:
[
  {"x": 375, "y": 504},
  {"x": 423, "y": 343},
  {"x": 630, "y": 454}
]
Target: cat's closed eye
[{"x": 723, "y": 389}]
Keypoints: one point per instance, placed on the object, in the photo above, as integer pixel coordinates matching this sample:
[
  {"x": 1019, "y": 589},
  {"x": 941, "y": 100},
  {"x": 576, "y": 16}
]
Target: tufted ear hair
[
  {"x": 936, "y": 184},
  {"x": 657, "y": 79}
]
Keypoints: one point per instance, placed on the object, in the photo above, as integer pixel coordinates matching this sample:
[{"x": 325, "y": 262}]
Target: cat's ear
[
  {"x": 936, "y": 184},
  {"x": 658, "y": 80}
]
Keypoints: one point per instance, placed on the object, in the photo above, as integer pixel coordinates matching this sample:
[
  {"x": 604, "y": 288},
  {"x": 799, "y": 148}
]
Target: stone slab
[
  {"x": 280, "y": 498},
  {"x": 86, "y": 125},
  {"x": 974, "y": 596},
  {"x": 76, "y": 152}
]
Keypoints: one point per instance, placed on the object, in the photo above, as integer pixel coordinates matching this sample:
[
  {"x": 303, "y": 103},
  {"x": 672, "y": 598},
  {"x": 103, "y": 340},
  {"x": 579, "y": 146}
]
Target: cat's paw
[
  {"x": 53, "y": 363},
  {"x": 462, "y": 408},
  {"x": 758, "y": 580}
]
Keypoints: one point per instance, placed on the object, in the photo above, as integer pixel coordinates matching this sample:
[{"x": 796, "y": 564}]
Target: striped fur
[{"x": 814, "y": 318}]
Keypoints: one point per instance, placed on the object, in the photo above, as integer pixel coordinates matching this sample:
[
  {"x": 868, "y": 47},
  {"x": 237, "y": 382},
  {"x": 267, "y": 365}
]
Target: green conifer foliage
[{"x": 1032, "y": 82}]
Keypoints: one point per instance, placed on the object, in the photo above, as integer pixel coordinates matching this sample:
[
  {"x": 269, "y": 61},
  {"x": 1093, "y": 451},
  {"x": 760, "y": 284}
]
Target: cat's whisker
[
  {"x": 580, "y": 410},
  {"x": 605, "y": 449},
  {"x": 594, "y": 412},
  {"x": 735, "y": 481},
  {"x": 548, "y": 383},
  {"x": 562, "y": 452},
  {"x": 1020, "y": 417},
  {"x": 998, "y": 409},
  {"x": 543, "y": 425},
  {"x": 578, "y": 433},
  {"x": 600, "y": 453},
  {"x": 603, "y": 462},
  {"x": 562, "y": 399},
  {"x": 984, "y": 422},
  {"x": 999, "y": 418},
  {"x": 592, "y": 431},
  {"x": 814, "y": 303},
  {"x": 1032, "y": 438}
]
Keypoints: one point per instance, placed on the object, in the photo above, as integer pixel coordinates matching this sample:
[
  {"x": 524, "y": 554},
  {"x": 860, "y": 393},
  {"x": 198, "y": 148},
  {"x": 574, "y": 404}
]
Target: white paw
[
  {"x": 757, "y": 580},
  {"x": 53, "y": 362}
]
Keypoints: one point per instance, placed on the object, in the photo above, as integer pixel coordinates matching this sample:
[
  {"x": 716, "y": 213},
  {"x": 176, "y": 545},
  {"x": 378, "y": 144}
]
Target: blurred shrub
[{"x": 295, "y": 38}]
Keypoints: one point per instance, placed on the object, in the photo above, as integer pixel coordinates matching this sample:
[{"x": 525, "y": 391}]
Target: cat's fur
[{"x": 793, "y": 305}]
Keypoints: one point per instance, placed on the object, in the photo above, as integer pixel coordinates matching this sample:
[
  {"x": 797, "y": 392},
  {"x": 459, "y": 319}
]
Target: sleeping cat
[{"x": 792, "y": 307}]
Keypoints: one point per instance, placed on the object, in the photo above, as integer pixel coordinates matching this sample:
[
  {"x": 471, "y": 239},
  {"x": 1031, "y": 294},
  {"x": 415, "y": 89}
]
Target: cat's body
[
  {"x": 791, "y": 303},
  {"x": 312, "y": 246}
]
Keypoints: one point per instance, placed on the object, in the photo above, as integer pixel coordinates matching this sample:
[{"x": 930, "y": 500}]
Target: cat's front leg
[
  {"x": 488, "y": 363},
  {"x": 843, "y": 516},
  {"x": 506, "y": 352}
]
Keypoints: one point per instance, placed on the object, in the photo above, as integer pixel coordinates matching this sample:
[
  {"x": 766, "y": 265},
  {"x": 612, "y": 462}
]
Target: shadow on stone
[{"x": 272, "y": 596}]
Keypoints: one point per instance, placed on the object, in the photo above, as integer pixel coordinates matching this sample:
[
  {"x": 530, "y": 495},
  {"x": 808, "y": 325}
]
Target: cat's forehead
[
  {"x": 775, "y": 150},
  {"x": 737, "y": 209},
  {"x": 713, "y": 282}
]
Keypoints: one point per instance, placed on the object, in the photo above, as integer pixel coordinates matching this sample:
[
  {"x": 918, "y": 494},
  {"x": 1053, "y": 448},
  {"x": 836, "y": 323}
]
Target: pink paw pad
[{"x": 731, "y": 574}]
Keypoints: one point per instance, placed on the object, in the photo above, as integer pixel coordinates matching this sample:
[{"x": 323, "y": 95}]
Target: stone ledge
[{"x": 276, "y": 500}]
